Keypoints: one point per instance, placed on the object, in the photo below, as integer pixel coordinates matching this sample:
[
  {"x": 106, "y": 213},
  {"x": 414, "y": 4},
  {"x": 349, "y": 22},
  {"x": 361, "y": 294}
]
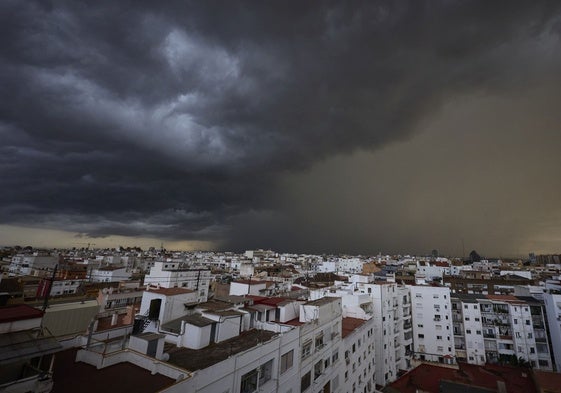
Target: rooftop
[
  {"x": 198, "y": 359},
  {"x": 322, "y": 301},
  {"x": 351, "y": 324},
  {"x": 505, "y": 298},
  {"x": 249, "y": 282},
  {"x": 547, "y": 382},
  {"x": 70, "y": 376},
  {"x": 18, "y": 313},
  {"x": 169, "y": 291},
  {"x": 195, "y": 319},
  {"x": 428, "y": 378}
]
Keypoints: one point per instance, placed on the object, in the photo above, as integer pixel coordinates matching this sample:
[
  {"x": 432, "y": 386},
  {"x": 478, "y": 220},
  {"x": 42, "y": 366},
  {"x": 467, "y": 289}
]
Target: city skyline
[{"x": 398, "y": 127}]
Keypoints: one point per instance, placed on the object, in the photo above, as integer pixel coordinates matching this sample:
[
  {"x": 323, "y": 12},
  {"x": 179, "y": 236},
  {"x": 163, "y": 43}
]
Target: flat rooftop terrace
[
  {"x": 198, "y": 359},
  {"x": 70, "y": 376}
]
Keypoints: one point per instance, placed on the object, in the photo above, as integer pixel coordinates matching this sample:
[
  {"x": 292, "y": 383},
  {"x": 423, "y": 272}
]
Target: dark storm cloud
[{"x": 174, "y": 121}]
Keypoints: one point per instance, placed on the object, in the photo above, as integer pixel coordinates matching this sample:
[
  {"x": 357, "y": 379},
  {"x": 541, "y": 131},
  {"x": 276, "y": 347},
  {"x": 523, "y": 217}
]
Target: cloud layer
[{"x": 177, "y": 121}]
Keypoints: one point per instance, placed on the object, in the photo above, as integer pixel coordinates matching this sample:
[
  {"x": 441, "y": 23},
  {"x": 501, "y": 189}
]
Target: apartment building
[
  {"x": 393, "y": 335},
  {"x": 432, "y": 323},
  {"x": 110, "y": 274},
  {"x": 359, "y": 369},
  {"x": 514, "y": 328},
  {"x": 271, "y": 354},
  {"x": 27, "y": 351},
  {"x": 468, "y": 329},
  {"x": 168, "y": 274},
  {"x": 32, "y": 265},
  {"x": 552, "y": 303}
]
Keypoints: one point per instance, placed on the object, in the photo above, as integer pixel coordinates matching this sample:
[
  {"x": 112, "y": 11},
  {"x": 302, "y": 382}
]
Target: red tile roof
[
  {"x": 18, "y": 313},
  {"x": 427, "y": 377},
  {"x": 294, "y": 322},
  {"x": 270, "y": 301},
  {"x": 351, "y": 324},
  {"x": 548, "y": 382},
  {"x": 506, "y": 298},
  {"x": 170, "y": 291}
]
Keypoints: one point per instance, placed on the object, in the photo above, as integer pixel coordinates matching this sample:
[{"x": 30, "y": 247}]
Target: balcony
[{"x": 489, "y": 335}]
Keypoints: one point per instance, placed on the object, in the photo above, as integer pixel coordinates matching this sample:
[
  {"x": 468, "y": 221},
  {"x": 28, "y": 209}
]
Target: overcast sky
[{"x": 398, "y": 127}]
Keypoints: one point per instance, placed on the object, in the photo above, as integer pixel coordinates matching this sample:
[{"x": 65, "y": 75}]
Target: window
[
  {"x": 530, "y": 335},
  {"x": 532, "y": 350},
  {"x": 306, "y": 381},
  {"x": 439, "y": 337},
  {"x": 515, "y": 321},
  {"x": 319, "y": 341},
  {"x": 421, "y": 335},
  {"x": 335, "y": 357},
  {"x": 326, "y": 362},
  {"x": 527, "y": 321},
  {"x": 477, "y": 319},
  {"x": 287, "y": 360},
  {"x": 249, "y": 382},
  {"x": 478, "y": 332},
  {"x": 420, "y": 325},
  {"x": 465, "y": 306},
  {"x": 306, "y": 349},
  {"x": 468, "y": 331},
  {"x": 318, "y": 368},
  {"x": 266, "y": 372},
  {"x": 467, "y": 318}
]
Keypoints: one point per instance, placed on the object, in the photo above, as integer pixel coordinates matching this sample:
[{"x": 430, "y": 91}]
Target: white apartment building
[
  {"x": 432, "y": 324},
  {"x": 552, "y": 303},
  {"x": 468, "y": 329},
  {"x": 515, "y": 328},
  {"x": 359, "y": 369},
  {"x": 161, "y": 305},
  {"x": 110, "y": 274},
  {"x": 320, "y": 344},
  {"x": 169, "y": 274},
  {"x": 350, "y": 265},
  {"x": 393, "y": 337},
  {"x": 65, "y": 287},
  {"x": 32, "y": 265}
]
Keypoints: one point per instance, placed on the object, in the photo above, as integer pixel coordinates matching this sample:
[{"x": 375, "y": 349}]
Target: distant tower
[{"x": 434, "y": 253}]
